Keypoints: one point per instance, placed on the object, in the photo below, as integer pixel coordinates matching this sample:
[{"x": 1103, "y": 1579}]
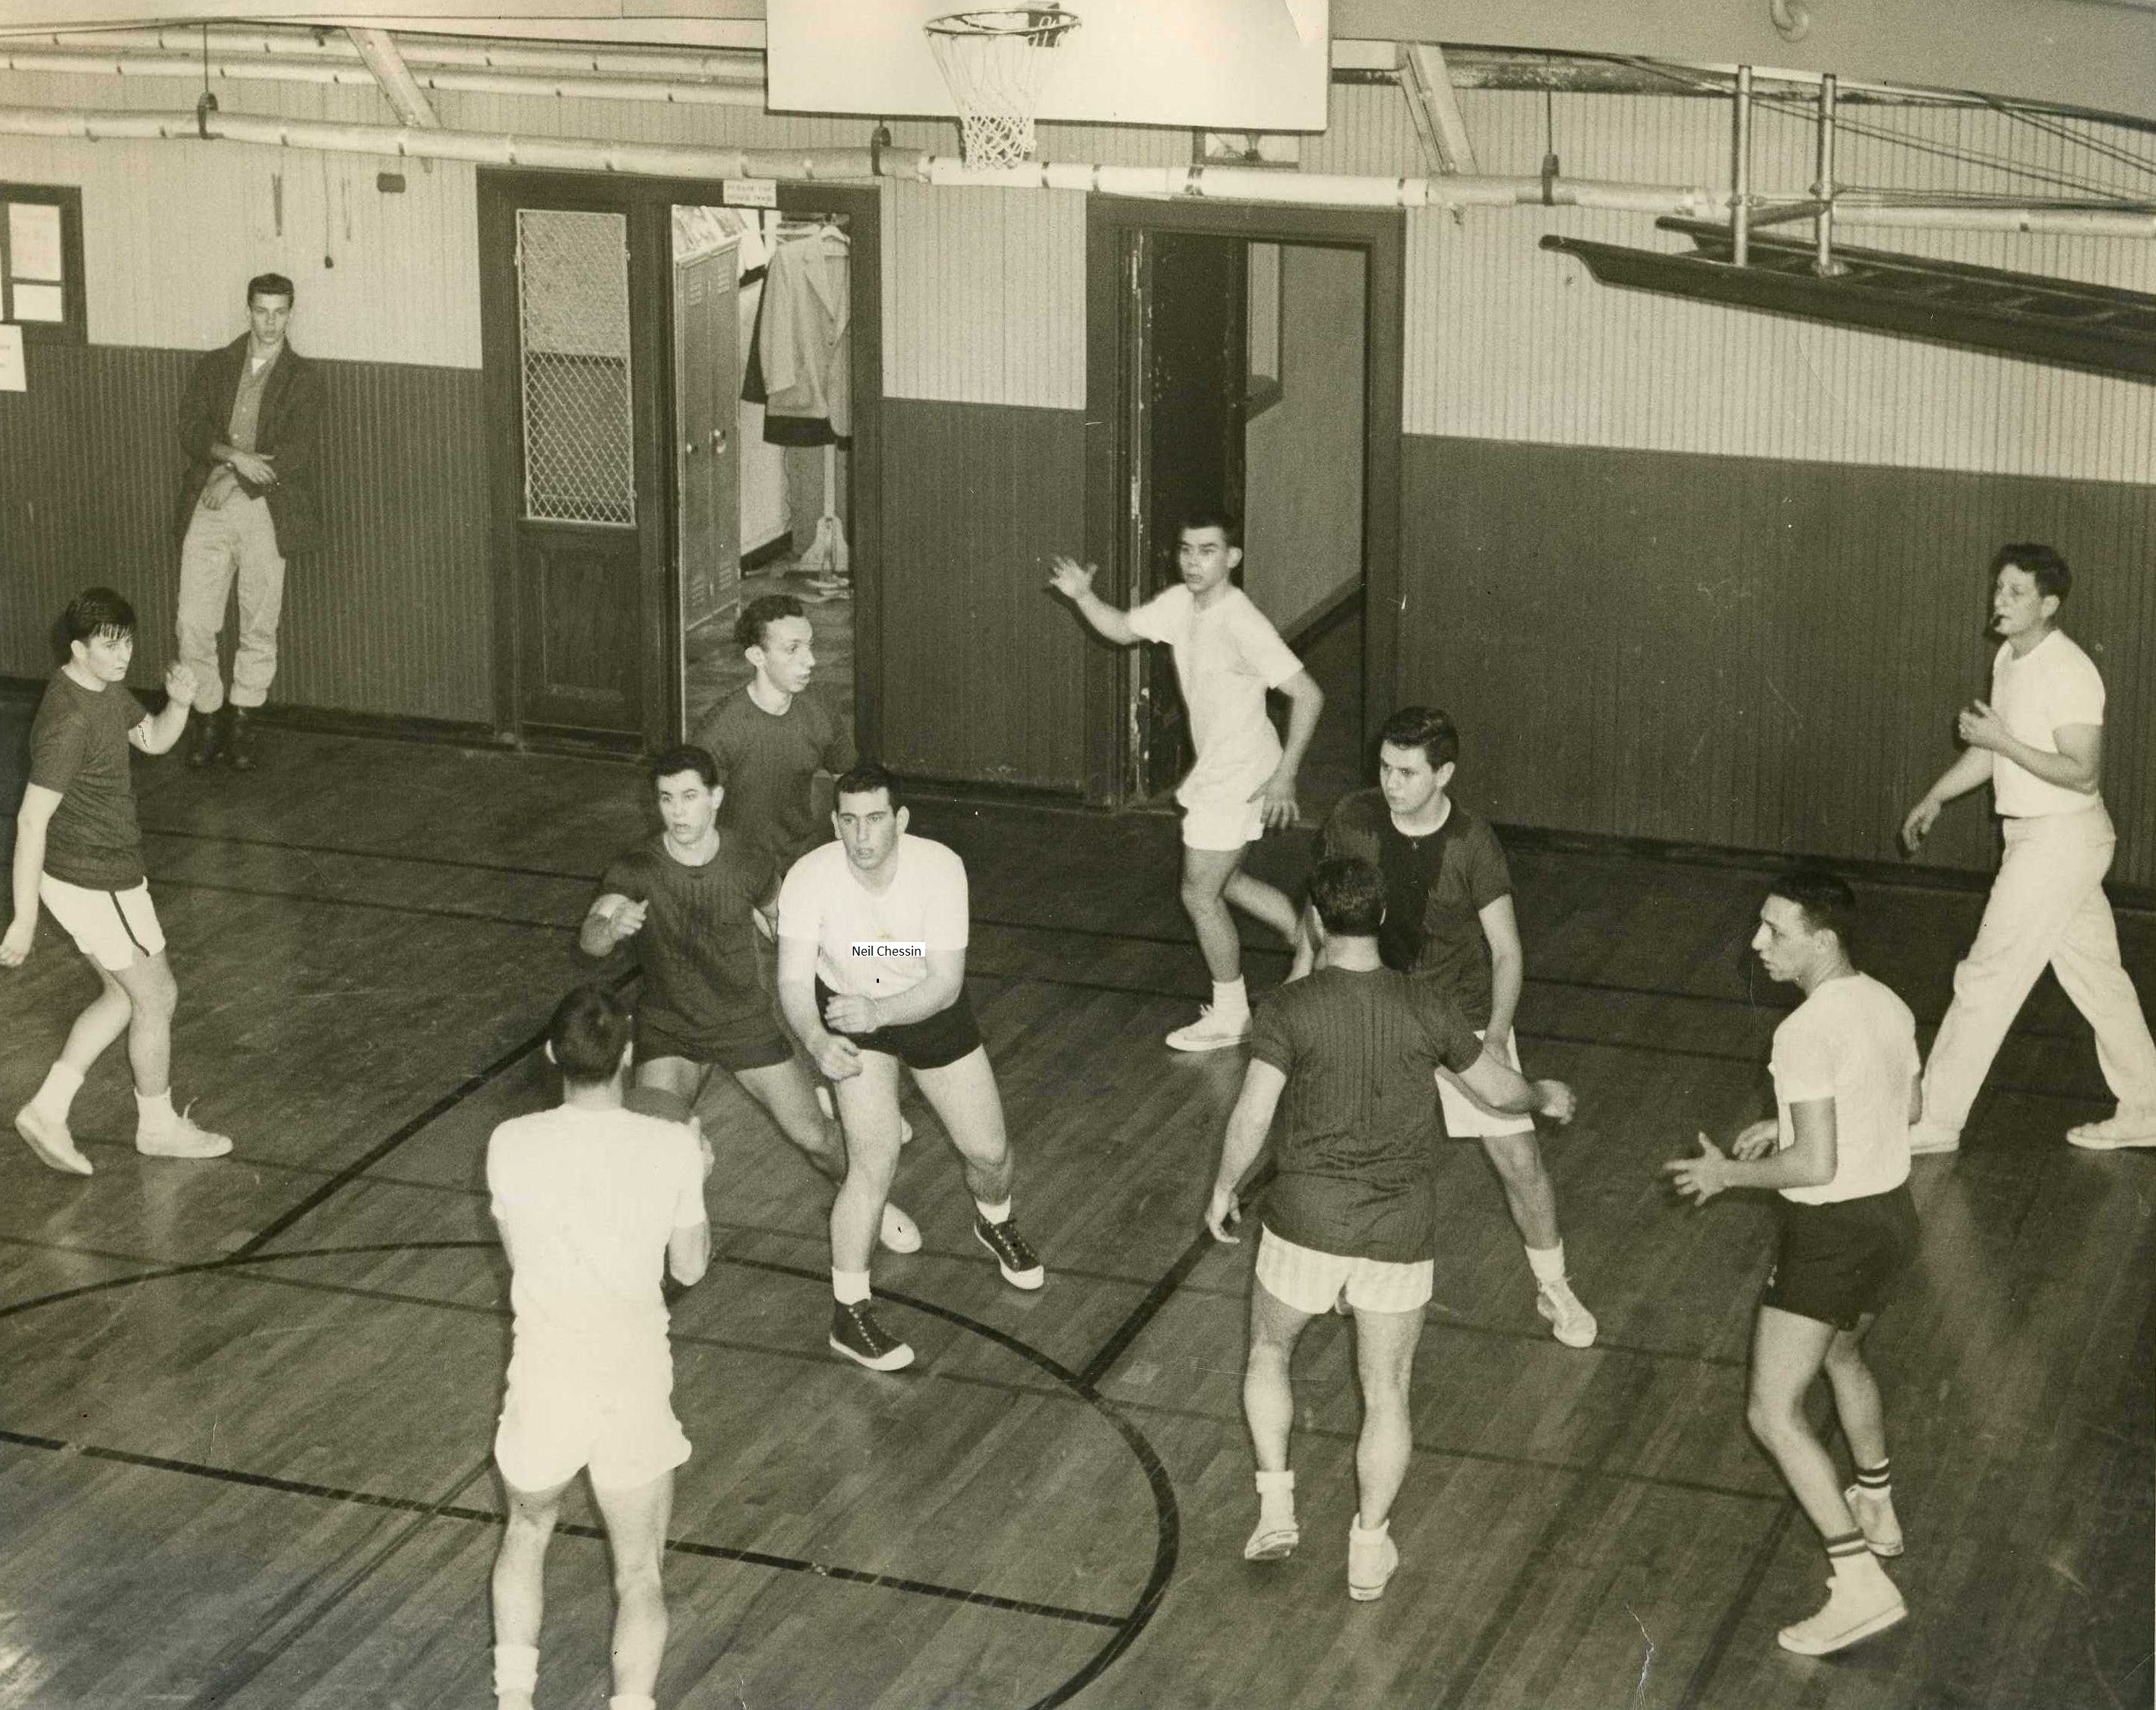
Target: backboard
[{"x": 1198, "y": 65}]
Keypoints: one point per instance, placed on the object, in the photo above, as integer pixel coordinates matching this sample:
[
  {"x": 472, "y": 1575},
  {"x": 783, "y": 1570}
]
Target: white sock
[
  {"x": 994, "y": 1214},
  {"x": 1276, "y": 1495},
  {"x": 153, "y": 1113},
  {"x": 631, "y": 1701},
  {"x": 1548, "y": 1263},
  {"x": 848, "y": 1286},
  {"x": 1230, "y": 1001},
  {"x": 515, "y": 1669},
  {"x": 1379, "y": 1530},
  {"x": 60, "y": 1086}
]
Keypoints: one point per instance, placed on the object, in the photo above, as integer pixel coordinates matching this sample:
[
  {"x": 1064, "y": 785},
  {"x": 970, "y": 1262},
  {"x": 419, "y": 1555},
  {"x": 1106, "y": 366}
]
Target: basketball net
[{"x": 995, "y": 63}]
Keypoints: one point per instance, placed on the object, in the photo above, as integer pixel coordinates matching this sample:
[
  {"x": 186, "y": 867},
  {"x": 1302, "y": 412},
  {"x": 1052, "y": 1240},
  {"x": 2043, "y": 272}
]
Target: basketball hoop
[{"x": 995, "y": 63}]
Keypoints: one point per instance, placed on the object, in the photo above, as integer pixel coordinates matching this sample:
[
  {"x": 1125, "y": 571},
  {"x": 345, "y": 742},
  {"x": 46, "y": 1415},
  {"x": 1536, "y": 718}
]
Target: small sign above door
[{"x": 750, "y": 192}]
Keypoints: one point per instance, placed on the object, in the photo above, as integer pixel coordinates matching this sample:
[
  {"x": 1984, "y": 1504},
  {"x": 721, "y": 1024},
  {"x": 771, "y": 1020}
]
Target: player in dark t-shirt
[
  {"x": 1348, "y": 1054},
  {"x": 1449, "y": 923},
  {"x": 685, "y": 900},
  {"x": 771, "y": 737},
  {"x": 78, "y": 852}
]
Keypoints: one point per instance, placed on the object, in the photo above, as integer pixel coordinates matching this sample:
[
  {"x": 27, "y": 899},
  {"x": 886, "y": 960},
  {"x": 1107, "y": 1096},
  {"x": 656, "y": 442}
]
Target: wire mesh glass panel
[{"x": 573, "y": 312}]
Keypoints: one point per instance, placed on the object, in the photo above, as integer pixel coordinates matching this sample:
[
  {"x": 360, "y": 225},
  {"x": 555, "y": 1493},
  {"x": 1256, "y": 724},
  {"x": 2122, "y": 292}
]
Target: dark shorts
[
  {"x": 937, "y": 1042},
  {"x": 1838, "y": 1262},
  {"x": 752, "y": 1039}
]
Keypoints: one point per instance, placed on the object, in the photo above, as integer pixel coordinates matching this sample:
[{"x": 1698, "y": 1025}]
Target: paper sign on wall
[
  {"x": 39, "y": 302},
  {"x": 14, "y": 376},
  {"x": 34, "y": 240}
]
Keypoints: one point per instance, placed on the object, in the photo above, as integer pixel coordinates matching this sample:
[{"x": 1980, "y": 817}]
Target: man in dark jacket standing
[{"x": 250, "y": 500}]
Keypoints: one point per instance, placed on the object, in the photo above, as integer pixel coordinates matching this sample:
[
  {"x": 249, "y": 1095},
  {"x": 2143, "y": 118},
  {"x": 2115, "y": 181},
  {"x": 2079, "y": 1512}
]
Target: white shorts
[
  {"x": 115, "y": 929},
  {"x": 1217, "y": 812},
  {"x": 555, "y": 1425},
  {"x": 1310, "y": 1281},
  {"x": 1466, "y": 1118}
]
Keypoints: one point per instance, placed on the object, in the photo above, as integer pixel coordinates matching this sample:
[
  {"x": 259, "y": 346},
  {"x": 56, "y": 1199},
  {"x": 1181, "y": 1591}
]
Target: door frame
[
  {"x": 1112, "y": 223},
  {"x": 647, "y": 202}
]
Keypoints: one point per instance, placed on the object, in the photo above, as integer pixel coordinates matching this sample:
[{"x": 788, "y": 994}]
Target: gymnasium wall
[{"x": 1568, "y": 447}]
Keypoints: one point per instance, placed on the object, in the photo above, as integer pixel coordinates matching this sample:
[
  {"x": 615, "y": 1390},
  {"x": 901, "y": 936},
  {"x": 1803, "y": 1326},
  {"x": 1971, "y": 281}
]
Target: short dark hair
[
  {"x": 270, "y": 284},
  {"x": 2045, "y": 567},
  {"x": 1825, "y": 901},
  {"x": 589, "y": 1032},
  {"x": 1349, "y": 897},
  {"x": 865, "y": 777},
  {"x": 1217, "y": 516},
  {"x": 1427, "y": 728},
  {"x": 760, "y": 614},
  {"x": 94, "y": 612},
  {"x": 686, "y": 757}
]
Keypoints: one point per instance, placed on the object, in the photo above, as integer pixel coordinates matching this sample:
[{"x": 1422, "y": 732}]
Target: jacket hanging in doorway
[{"x": 800, "y": 362}]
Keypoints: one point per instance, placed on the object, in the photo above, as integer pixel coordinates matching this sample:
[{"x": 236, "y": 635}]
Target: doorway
[
  {"x": 610, "y": 348},
  {"x": 763, "y": 451},
  {"x": 1248, "y": 357}
]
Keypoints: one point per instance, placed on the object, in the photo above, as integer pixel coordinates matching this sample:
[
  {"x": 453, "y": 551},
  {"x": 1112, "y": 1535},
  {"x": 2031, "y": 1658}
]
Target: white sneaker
[
  {"x": 1372, "y": 1558},
  {"x": 1272, "y": 1540},
  {"x": 1875, "y": 1518},
  {"x": 2133, "y": 1126},
  {"x": 1858, "y": 1605},
  {"x": 1211, "y": 1031},
  {"x": 50, "y": 1140},
  {"x": 185, "y": 1138},
  {"x": 1928, "y": 1137},
  {"x": 1570, "y": 1321},
  {"x": 900, "y": 1234}
]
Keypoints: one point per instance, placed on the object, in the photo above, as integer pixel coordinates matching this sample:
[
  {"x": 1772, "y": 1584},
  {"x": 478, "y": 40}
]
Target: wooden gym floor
[{"x": 245, "y": 1406}]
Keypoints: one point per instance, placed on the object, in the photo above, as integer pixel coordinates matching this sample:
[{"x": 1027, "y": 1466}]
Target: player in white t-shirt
[
  {"x": 872, "y": 932},
  {"x": 1836, "y": 1150},
  {"x": 1227, "y": 655},
  {"x": 593, "y": 1200},
  {"x": 2039, "y": 744}
]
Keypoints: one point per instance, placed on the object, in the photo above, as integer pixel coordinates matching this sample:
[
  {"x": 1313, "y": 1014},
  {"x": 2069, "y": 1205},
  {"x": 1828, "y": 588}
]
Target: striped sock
[
  {"x": 1847, "y": 1548},
  {"x": 1873, "y": 1480}
]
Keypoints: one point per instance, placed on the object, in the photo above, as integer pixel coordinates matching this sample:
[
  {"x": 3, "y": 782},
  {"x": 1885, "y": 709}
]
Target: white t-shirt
[
  {"x": 1854, "y": 1042},
  {"x": 2054, "y": 684},
  {"x": 825, "y": 899},
  {"x": 589, "y": 1199},
  {"x": 1226, "y": 657}
]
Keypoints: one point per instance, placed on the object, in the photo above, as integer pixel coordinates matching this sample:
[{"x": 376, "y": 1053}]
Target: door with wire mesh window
[{"x": 580, "y": 519}]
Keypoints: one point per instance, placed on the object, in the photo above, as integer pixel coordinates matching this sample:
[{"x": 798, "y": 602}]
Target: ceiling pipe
[
  {"x": 482, "y": 148},
  {"x": 1211, "y": 183},
  {"x": 305, "y": 45},
  {"x": 354, "y": 74},
  {"x": 406, "y": 99}
]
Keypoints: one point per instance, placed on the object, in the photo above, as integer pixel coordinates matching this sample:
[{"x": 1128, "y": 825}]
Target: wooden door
[
  {"x": 1189, "y": 377},
  {"x": 706, "y": 377},
  {"x": 579, "y": 533}
]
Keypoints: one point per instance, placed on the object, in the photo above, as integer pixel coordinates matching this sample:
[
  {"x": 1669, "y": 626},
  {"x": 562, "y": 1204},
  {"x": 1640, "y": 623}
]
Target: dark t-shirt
[
  {"x": 767, "y": 762},
  {"x": 1360, "y": 1115},
  {"x": 79, "y": 746},
  {"x": 1436, "y": 887},
  {"x": 697, "y": 944}
]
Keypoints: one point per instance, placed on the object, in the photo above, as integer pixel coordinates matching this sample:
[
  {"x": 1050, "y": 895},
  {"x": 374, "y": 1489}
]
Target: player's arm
[
  {"x": 1972, "y": 770},
  {"x": 938, "y": 992},
  {"x": 1304, "y": 701},
  {"x": 1075, "y": 582},
  {"x": 1916, "y": 1099},
  {"x": 31, "y": 823},
  {"x": 1807, "y": 1162},
  {"x": 2078, "y": 765},
  {"x": 1502, "y": 1088},
  {"x": 835, "y": 1056},
  {"x": 1508, "y": 967},
  {"x": 156, "y": 735},
  {"x": 1248, "y": 1124},
  {"x": 611, "y": 918}
]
